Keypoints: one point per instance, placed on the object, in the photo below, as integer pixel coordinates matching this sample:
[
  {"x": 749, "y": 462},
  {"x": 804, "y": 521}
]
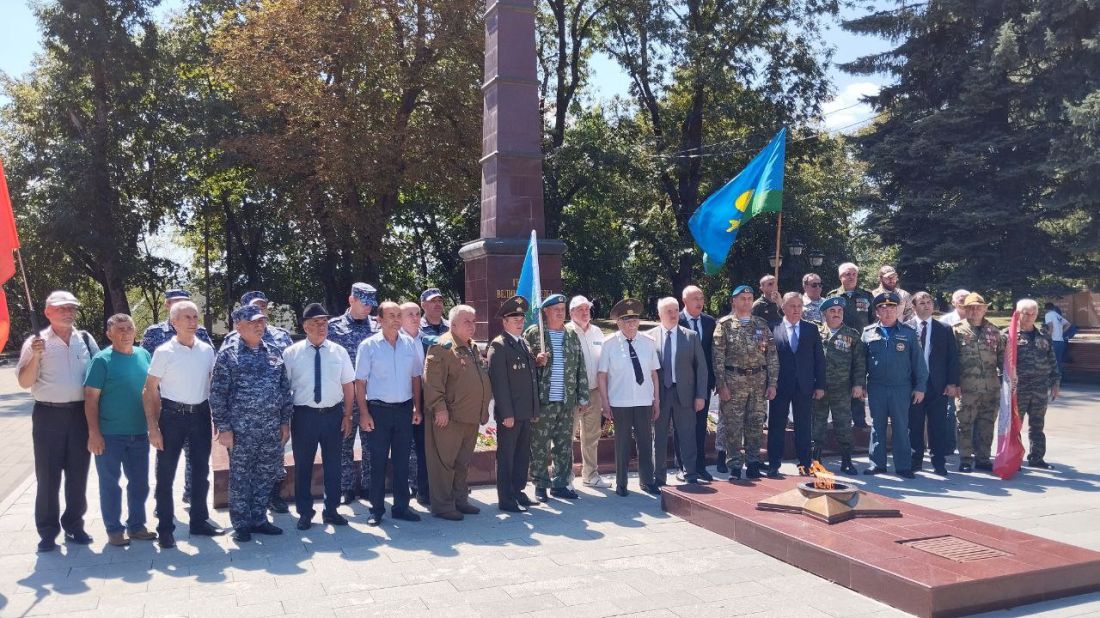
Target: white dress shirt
[
  {"x": 792, "y": 334},
  {"x": 926, "y": 341},
  {"x": 336, "y": 371},
  {"x": 389, "y": 369},
  {"x": 62, "y": 366},
  {"x": 622, "y": 389},
  {"x": 663, "y": 333},
  {"x": 184, "y": 372},
  {"x": 591, "y": 344},
  {"x": 952, "y": 318}
]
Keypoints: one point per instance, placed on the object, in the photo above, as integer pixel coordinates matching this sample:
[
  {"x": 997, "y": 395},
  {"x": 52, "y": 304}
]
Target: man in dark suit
[
  {"x": 937, "y": 341},
  {"x": 516, "y": 396},
  {"x": 703, "y": 324},
  {"x": 683, "y": 389},
  {"x": 801, "y": 380}
]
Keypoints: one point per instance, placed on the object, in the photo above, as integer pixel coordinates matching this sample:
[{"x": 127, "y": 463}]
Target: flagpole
[
  {"x": 778, "y": 232},
  {"x": 27, "y": 290},
  {"x": 538, "y": 283}
]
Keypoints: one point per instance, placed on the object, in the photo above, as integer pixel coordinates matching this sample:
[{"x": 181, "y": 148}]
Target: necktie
[
  {"x": 695, "y": 326},
  {"x": 666, "y": 361},
  {"x": 634, "y": 361},
  {"x": 923, "y": 330},
  {"x": 317, "y": 374},
  {"x": 794, "y": 338}
]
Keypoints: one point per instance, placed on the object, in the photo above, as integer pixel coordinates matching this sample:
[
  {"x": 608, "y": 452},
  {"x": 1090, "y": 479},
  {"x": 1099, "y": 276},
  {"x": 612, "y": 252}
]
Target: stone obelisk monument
[{"x": 511, "y": 168}]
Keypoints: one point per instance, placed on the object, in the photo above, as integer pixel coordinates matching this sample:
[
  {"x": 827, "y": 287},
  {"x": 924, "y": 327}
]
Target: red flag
[
  {"x": 1010, "y": 449},
  {"x": 9, "y": 242}
]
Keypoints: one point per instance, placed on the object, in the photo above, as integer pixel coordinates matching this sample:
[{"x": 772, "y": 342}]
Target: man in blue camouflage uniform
[
  {"x": 348, "y": 331},
  {"x": 432, "y": 326},
  {"x": 250, "y": 403},
  {"x": 158, "y": 334}
]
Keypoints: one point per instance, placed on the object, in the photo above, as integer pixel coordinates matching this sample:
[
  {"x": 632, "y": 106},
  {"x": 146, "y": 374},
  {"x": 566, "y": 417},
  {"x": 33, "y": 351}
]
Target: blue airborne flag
[
  {"x": 530, "y": 284},
  {"x": 758, "y": 188}
]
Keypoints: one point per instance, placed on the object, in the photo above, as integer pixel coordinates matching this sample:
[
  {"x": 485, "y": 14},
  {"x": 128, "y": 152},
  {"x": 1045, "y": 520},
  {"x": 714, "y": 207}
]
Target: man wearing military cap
[
  {"x": 627, "y": 373},
  {"x": 888, "y": 282},
  {"x": 746, "y": 369},
  {"x": 349, "y": 330},
  {"x": 274, "y": 335},
  {"x": 563, "y": 387},
  {"x": 845, "y": 376},
  {"x": 896, "y": 376},
  {"x": 516, "y": 404},
  {"x": 981, "y": 350},
  {"x": 432, "y": 327},
  {"x": 251, "y": 405}
]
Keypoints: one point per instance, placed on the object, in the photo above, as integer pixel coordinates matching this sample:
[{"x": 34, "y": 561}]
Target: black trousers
[
  {"x": 933, "y": 410},
  {"x": 60, "y": 438},
  {"x": 513, "y": 460},
  {"x": 421, "y": 460},
  {"x": 778, "y": 410},
  {"x": 177, "y": 428},
  {"x": 310, "y": 428},
  {"x": 392, "y": 432}
]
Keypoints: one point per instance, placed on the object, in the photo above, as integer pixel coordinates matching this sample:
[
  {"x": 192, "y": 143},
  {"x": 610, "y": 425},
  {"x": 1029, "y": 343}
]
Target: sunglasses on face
[{"x": 814, "y": 284}]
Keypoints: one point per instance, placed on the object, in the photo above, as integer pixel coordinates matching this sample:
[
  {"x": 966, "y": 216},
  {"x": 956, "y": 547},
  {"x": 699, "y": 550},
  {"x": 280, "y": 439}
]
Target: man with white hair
[
  {"x": 587, "y": 420},
  {"x": 682, "y": 388},
  {"x": 1038, "y": 378},
  {"x": 858, "y": 313},
  {"x": 956, "y": 315},
  {"x": 692, "y": 316}
]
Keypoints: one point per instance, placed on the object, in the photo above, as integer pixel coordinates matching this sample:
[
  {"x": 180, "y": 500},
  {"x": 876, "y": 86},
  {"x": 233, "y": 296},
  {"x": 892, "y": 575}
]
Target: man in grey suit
[
  {"x": 516, "y": 396},
  {"x": 683, "y": 390}
]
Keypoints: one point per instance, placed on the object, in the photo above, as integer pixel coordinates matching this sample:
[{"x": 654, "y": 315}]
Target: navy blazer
[
  {"x": 707, "y": 324},
  {"x": 804, "y": 370},
  {"x": 943, "y": 358}
]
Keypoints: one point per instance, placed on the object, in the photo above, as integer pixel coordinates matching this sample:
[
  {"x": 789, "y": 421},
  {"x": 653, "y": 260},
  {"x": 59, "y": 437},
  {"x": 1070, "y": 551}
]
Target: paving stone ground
[{"x": 601, "y": 556}]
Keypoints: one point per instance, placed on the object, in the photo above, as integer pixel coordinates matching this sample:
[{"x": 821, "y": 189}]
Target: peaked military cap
[
  {"x": 430, "y": 293},
  {"x": 973, "y": 299},
  {"x": 248, "y": 313},
  {"x": 553, "y": 299},
  {"x": 516, "y": 305},
  {"x": 365, "y": 293},
  {"x": 177, "y": 293},
  {"x": 314, "y": 310},
  {"x": 627, "y": 308},
  {"x": 887, "y": 299},
  {"x": 741, "y": 289},
  {"x": 248, "y": 297},
  {"x": 833, "y": 301}
]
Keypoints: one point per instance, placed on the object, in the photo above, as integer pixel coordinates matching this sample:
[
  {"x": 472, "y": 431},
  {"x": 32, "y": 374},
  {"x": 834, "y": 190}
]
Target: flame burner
[{"x": 826, "y": 500}]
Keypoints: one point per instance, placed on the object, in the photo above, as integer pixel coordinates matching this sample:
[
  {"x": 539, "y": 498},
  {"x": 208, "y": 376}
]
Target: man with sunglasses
[{"x": 811, "y": 298}]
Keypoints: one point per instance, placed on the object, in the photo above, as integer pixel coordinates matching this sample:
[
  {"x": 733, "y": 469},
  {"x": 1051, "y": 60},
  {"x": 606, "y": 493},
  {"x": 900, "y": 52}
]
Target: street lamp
[
  {"x": 775, "y": 262},
  {"x": 816, "y": 258},
  {"x": 795, "y": 247}
]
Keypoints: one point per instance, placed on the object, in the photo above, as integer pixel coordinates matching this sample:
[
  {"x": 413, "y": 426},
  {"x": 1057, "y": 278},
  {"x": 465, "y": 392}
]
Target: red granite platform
[{"x": 869, "y": 557}]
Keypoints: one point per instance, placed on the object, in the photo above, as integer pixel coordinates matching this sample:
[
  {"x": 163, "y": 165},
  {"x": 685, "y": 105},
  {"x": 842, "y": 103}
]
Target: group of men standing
[{"x": 417, "y": 388}]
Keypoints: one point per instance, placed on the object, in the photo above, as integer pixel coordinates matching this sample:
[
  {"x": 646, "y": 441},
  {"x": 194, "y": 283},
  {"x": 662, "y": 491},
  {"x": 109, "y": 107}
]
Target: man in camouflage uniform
[
  {"x": 888, "y": 282},
  {"x": 1038, "y": 379},
  {"x": 746, "y": 368},
  {"x": 858, "y": 313},
  {"x": 348, "y": 331},
  {"x": 160, "y": 333},
  {"x": 250, "y": 403},
  {"x": 845, "y": 376},
  {"x": 981, "y": 355},
  {"x": 563, "y": 388}
]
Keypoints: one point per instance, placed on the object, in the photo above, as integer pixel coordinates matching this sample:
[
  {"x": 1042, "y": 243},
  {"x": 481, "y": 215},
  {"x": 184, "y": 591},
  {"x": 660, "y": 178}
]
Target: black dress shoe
[
  {"x": 540, "y": 494},
  {"x": 304, "y": 523},
  {"x": 523, "y": 500},
  {"x": 907, "y": 474},
  {"x": 941, "y": 470},
  {"x": 79, "y": 537},
  {"x": 278, "y": 505},
  {"x": 965, "y": 468},
  {"x": 752, "y": 471},
  {"x": 205, "y": 529},
  {"x": 374, "y": 519},
  {"x": 847, "y": 467},
  {"x": 242, "y": 535},
  {"x": 720, "y": 466},
  {"x": 652, "y": 489},
  {"x": 773, "y": 472},
  {"x": 621, "y": 491},
  {"x": 873, "y": 470},
  {"x": 46, "y": 545},
  {"x": 267, "y": 528},
  {"x": 166, "y": 540},
  {"x": 564, "y": 492},
  {"x": 347, "y": 497},
  {"x": 706, "y": 476},
  {"x": 405, "y": 515},
  {"x": 335, "y": 519},
  {"x": 512, "y": 508},
  {"x": 1039, "y": 463},
  {"x": 986, "y": 466}
]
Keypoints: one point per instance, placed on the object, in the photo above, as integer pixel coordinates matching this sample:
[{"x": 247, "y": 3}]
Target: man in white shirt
[
  {"x": 1057, "y": 325},
  {"x": 52, "y": 365},
  {"x": 388, "y": 367},
  {"x": 177, "y": 411},
  {"x": 955, "y": 316},
  {"x": 587, "y": 420},
  {"x": 627, "y": 373},
  {"x": 683, "y": 391},
  {"x": 322, "y": 386}
]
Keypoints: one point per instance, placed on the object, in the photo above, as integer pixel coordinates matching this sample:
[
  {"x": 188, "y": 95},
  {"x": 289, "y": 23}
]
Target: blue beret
[
  {"x": 248, "y": 297},
  {"x": 553, "y": 299},
  {"x": 741, "y": 289},
  {"x": 886, "y": 298},
  {"x": 430, "y": 293},
  {"x": 365, "y": 293},
  {"x": 177, "y": 293},
  {"x": 248, "y": 313},
  {"x": 833, "y": 301}
]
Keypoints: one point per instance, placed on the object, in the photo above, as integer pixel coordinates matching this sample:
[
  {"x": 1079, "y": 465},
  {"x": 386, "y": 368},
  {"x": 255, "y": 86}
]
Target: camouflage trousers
[
  {"x": 977, "y": 412},
  {"x": 743, "y": 419},
  {"x": 352, "y": 478},
  {"x": 253, "y": 463},
  {"x": 720, "y": 432},
  {"x": 552, "y": 442},
  {"x": 837, "y": 402},
  {"x": 1032, "y": 404}
]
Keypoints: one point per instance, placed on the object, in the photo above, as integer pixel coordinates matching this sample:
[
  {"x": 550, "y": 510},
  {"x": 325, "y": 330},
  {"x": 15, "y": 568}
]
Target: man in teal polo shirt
[{"x": 118, "y": 435}]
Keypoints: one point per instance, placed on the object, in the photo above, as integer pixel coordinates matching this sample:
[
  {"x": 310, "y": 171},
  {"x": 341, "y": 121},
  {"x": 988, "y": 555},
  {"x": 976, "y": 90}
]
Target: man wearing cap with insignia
[
  {"x": 160, "y": 333},
  {"x": 858, "y": 313},
  {"x": 896, "y": 377},
  {"x": 563, "y": 387},
  {"x": 348, "y": 331},
  {"x": 888, "y": 282},
  {"x": 629, "y": 385},
  {"x": 274, "y": 335},
  {"x": 52, "y": 364},
  {"x": 516, "y": 404},
  {"x": 587, "y": 420},
  {"x": 432, "y": 326},
  {"x": 746, "y": 369},
  {"x": 981, "y": 348},
  {"x": 845, "y": 376},
  {"x": 322, "y": 382},
  {"x": 251, "y": 405}
]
